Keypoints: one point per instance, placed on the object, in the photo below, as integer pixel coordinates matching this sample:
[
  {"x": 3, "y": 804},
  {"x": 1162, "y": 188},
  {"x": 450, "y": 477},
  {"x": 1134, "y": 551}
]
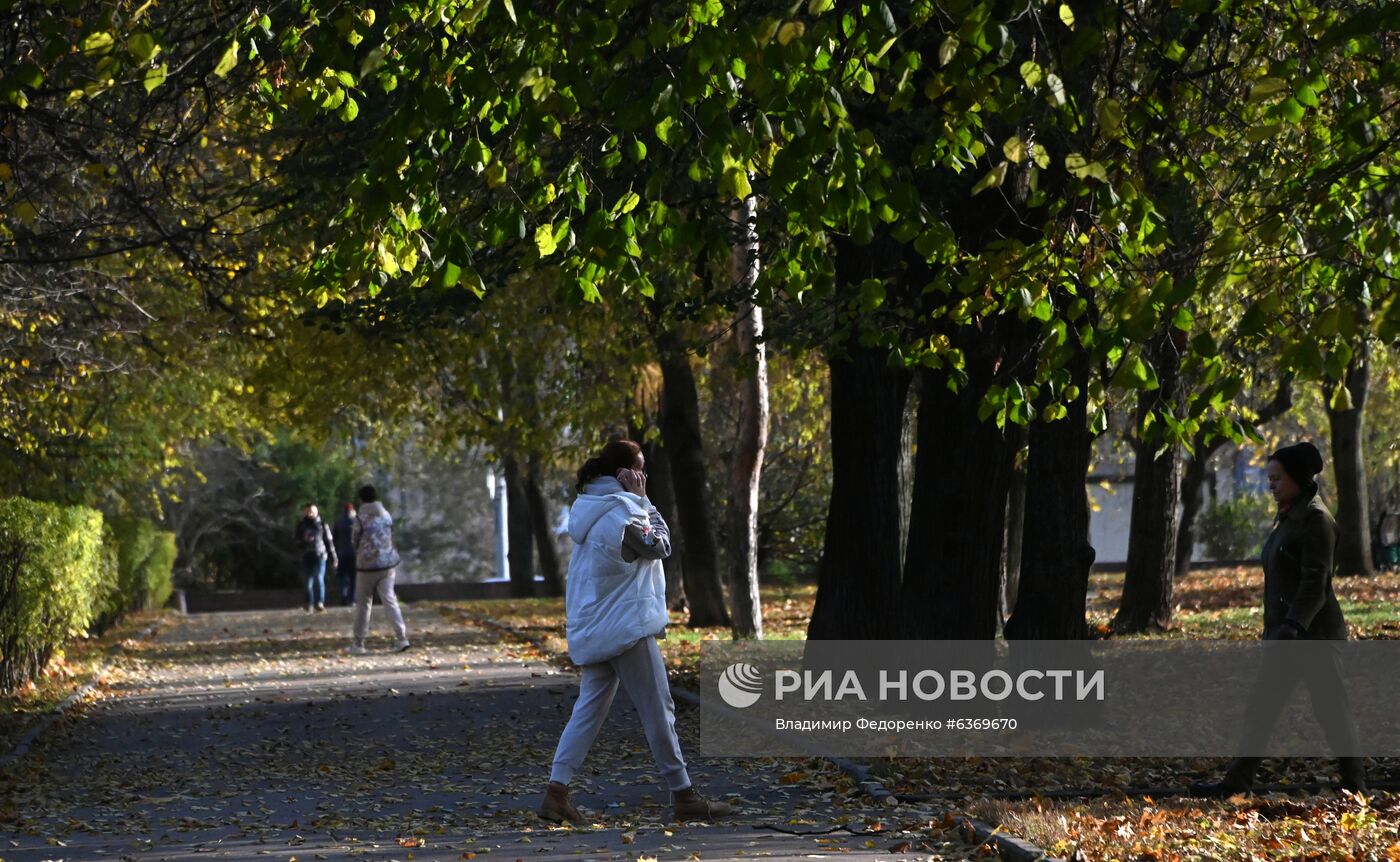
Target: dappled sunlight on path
[{"x": 255, "y": 735}]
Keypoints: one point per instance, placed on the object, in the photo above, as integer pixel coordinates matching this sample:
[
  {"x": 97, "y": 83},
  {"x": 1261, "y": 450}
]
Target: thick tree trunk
[
  {"x": 1056, "y": 555},
  {"x": 680, "y": 432},
  {"x": 1353, "y": 555},
  {"x": 962, "y": 474},
  {"x": 858, "y": 576},
  {"x": 543, "y": 531},
  {"x": 747, "y": 466},
  {"x": 520, "y": 535},
  {"x": 663, "y": 497},
  {"x": 1147, "y": 585}
]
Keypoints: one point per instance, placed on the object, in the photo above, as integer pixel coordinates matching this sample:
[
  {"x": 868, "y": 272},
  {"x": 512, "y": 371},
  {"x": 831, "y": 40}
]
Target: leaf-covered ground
[
  {"x": 1111, "y": 824},
  {"x": 66, "y": 673},
  {"x": 253, "y": 736}
]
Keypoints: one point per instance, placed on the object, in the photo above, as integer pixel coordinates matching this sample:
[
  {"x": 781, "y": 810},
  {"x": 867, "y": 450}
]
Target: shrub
[
  {"x": 145, "y": 559},
  {"x": 52, "y": 582},
  {"x": 160, "y": 566},
  {"x": 1235, "y": 529}
]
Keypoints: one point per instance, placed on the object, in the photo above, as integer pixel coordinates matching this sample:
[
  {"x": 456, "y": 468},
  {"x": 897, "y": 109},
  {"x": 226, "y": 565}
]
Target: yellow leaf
[
  {"x": 791, "y": 30},
  {"x": 1014, "y": 149}
]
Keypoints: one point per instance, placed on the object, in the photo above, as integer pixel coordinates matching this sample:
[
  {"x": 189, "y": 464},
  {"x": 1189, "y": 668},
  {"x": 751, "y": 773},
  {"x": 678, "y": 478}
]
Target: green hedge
[
  {"x": 54, "y": 580},
  {"x": 145, "y": 559}
]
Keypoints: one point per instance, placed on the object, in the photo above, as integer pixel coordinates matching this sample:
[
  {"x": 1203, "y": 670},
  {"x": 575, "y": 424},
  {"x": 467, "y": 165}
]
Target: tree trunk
[
  {"x": 1192, "y": 500},
  {"x": 543, "y": 529},
  {"x": 1011, "y": 553},
  {"x": 1353, "y": 555},
  {"x": 663, "y": 497},
  {"x": 747, "y": 467},
  {"x": 520, "y": 536},
  {"x": 1147, "y": 585},
  {"x": 680, "y": 432},
  {"x": 1193, "y": 479},
  {"x": 858, "y": 575},
  {"x": 957, "y": 524},
  {"x": 1056, "y": 555}
]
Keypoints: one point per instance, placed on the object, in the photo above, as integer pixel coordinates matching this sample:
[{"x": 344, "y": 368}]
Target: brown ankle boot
[
  {"x": 556, "y": 805},
  {"x": 690, "y": 805}
]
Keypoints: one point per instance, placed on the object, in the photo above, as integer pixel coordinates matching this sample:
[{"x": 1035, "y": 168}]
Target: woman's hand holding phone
[{"x": 634, "y": 481}]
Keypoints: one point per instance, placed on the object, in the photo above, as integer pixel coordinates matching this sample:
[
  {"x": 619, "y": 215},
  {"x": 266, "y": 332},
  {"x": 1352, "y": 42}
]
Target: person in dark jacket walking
[
  {"x": 314, "y": 539},
  {"x": 1299, "y": 604},
  {"x": 343, "y": 531}
]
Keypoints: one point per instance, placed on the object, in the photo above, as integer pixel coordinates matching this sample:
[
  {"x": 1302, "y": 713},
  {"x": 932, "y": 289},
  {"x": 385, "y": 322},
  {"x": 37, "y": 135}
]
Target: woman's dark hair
[
  {"x": 617, "y": 455},
  {"x": 367, "y": 494}
]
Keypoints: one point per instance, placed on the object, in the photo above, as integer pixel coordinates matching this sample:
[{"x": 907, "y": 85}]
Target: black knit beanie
[{"x": 1302, "y": 461}]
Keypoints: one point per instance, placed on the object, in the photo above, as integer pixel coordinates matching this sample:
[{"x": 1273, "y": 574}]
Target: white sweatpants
[
  {"x": 366, "y": 585},
  {"x": 643, "y": 673}
]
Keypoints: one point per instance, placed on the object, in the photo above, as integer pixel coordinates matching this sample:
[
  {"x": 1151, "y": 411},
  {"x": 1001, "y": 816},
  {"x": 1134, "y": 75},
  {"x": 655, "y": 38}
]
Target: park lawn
[
  {"x": 1227, "y": 603},
  {"x": 66, "y": 673},
  {"x": 1211, "y": 603}
]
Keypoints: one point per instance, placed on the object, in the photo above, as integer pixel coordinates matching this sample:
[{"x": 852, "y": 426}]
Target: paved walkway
[{"x": 253, "y": 736}]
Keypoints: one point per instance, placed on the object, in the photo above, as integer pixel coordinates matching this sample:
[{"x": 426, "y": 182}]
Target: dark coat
[
  {"x": 343, "y": 532},
  {"x": 320, "y": 544},
  {"x": 1297, "y": 562}
]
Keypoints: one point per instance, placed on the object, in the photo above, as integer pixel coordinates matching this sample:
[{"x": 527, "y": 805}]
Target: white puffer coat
[{"x": 610, "y": 603}]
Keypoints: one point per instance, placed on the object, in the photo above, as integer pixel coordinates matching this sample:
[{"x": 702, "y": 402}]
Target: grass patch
[{"x": 1184, "y": 830}]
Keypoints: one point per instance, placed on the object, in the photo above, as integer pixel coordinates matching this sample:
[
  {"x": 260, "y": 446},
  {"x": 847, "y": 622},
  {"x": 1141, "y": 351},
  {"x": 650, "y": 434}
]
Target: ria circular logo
[{"x": 741, "y": 685}]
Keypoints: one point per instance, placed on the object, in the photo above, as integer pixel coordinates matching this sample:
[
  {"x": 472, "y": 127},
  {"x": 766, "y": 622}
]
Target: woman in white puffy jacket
[{"x": 615, "y": 603}]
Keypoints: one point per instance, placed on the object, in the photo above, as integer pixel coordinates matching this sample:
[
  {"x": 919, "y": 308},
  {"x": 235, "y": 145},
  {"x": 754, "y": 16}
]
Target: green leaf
[
  {"x": 155, "y": 77},
  {"x": 948, "y": 50},
  {"x": 1082, "y": 168},
  {"x": 1014, "y": 149},
  {"x": 496, "y": 174},
  {"x": 887, "y": 19},
  {"x": 1110, "y": 115},
  {"x": 820, "y": 7},
  {"x": 1137, "y": 374},
  {"x": 544, "y": 240},
  {"x": 1341, "y": 399},
  {"x": 1291, "y": 110},
  {"x": 350, "y": 110},
  {"x": 143, "y": 47},
  {"x": 98, "y": 43},
  {"x": 510, "y": 10},
  {"x": 1067, "y": 15},
  {"x": 450, "y": 274},
  {"x": 872, "y": 294},
  {"x": 1255, "y": 134},
  {"x": 1267, "y": 88},
  {"x": 992, "y": 179},
  {"x": 228, "y": 60},
  {"x": 736, "y": 182},
  {"x": 1032, "y": 74}
]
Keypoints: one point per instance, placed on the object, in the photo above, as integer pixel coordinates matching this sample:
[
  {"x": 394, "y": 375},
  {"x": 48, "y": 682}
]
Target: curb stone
[
  {"x": 55, "y": 715},
  {"x": 1009, "y": 848}
]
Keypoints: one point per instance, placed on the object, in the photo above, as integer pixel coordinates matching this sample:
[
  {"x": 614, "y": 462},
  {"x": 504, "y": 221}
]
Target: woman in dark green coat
[{"x": 1298, "y": 605}]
